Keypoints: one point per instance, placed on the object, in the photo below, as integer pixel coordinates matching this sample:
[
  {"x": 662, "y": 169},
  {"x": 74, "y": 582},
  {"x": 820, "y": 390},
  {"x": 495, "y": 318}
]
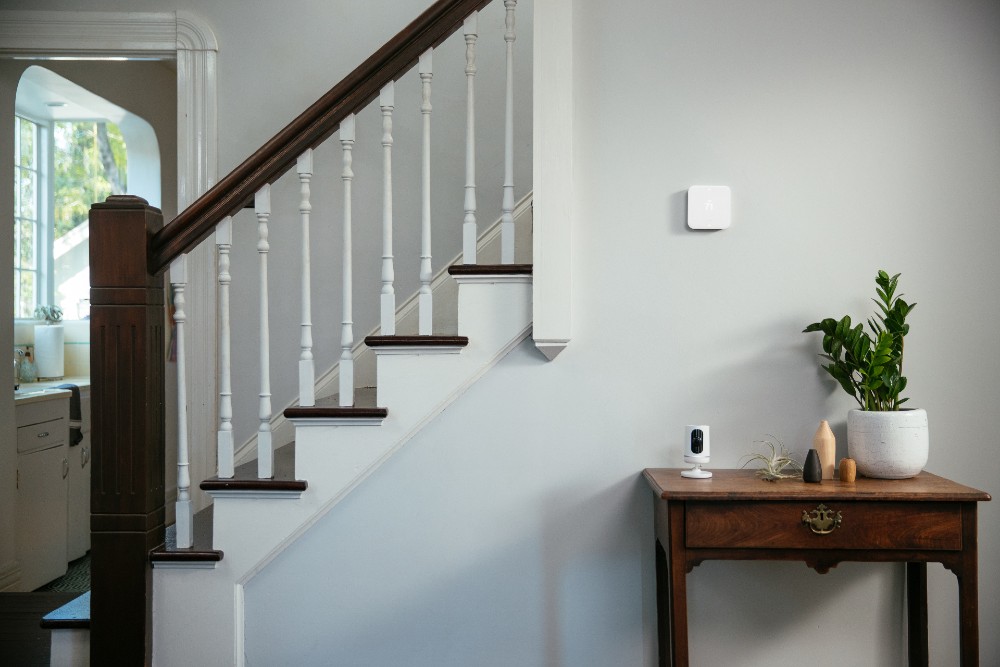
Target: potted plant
[
  {"x": 886, "y": 442},
  {"x": 49, "y": 339}
]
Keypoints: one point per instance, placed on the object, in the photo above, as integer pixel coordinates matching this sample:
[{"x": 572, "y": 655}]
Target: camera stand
[{"x": 696, "y": 472}]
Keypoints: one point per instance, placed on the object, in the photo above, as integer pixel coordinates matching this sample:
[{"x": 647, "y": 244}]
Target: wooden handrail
[{"x": 309, "y": 130}]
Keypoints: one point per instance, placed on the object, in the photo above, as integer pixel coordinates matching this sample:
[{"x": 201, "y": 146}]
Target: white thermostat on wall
[{"x": 709, "y": 207}]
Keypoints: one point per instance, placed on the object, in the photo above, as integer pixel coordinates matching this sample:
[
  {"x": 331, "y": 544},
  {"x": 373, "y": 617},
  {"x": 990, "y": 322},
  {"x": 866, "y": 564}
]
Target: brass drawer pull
[{"x": 822, "y": 520}]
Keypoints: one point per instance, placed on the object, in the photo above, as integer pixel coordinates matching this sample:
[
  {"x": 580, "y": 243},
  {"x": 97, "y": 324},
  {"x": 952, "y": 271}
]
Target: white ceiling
[{"x": 39, "y": 88}]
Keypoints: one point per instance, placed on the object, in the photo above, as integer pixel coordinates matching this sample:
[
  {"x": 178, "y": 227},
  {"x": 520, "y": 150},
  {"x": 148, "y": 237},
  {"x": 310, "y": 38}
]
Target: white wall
[{"x": 515, "y": 529}]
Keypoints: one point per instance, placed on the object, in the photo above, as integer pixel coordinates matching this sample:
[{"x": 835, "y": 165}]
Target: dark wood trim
[
  {"x": 490, "y": 269},
  {"x": 310, "y": 129},
  {"x": 234, "y": 484},
  {"x": 416, "y": 341},
  {"x": 128, "y": 342},
  {"x": 245, "y": 476},
  {"x": 22, "y": 639},
  {"x": 335, "y": 412},
  {"x": 968, "y": 587},
  {"x": 191, "y": 555},
  {"x": 201, "y": 548},
  {"x": 916, "y": 614}
]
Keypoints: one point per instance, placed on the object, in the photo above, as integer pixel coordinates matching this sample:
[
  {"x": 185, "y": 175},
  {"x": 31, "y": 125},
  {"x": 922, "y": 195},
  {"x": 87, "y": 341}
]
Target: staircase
[
  {"x": 189, "y": 608},
  {"x": 335, "y": 449}
]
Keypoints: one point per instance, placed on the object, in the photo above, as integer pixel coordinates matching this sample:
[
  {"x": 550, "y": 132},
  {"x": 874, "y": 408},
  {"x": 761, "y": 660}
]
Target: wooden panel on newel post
[{"x": 127, "y": 367}]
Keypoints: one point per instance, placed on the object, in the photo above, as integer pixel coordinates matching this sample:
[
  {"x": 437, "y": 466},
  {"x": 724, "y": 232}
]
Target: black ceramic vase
[{"x": 812, "y": 471}]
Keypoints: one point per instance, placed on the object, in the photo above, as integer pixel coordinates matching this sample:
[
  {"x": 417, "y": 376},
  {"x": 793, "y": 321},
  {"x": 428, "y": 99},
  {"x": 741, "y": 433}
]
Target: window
[
  {"x": 88, "y": 164},
  {"x": 70, "y": 152},
  {"x": 29, "y": 178}
]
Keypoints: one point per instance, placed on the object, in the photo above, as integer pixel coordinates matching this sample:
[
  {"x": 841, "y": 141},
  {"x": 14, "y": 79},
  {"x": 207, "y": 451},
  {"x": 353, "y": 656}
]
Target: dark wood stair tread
[
  {"x": 201, "y": 549},
  {"x": 22, "y": 639},
  {"x": 329, "y": 407},
  {"x": 490, "y": 269},
  {"x": 245, "y": 476},
  {"x": 417, "y": 341}
]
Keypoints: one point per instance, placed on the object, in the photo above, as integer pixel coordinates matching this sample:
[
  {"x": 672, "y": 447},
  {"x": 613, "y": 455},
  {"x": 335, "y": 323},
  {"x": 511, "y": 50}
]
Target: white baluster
[
  {"x": 426, "y": 298},
  {"x": 469, "y": 232},
  {"x": 178, "y": 281},
  {"x": 224, "y": 440},
  {"x": 307, "y": 367},
  {"x": 265, "y": 448},
  {"x": 347, "y": 326},
  {"x": 507, "y": 205},
  {"x": 386, "y": 102}
]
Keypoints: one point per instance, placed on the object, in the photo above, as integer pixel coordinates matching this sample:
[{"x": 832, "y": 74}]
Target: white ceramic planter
[
  {"x": 888, "y": 445},
  {"x": 49, "y": 339}
]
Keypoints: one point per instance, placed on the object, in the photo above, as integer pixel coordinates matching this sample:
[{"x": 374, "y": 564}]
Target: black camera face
[{"x": 697, "y": 441}]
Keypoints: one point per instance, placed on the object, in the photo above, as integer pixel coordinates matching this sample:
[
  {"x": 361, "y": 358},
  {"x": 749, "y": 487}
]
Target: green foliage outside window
[{"x": 89, "y": 166}]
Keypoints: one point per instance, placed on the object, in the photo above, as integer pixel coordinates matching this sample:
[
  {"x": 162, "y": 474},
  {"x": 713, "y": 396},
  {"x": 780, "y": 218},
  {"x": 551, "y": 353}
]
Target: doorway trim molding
[
  {"x": 175, "y": 35},
  {"x": 186, "y": 38}
]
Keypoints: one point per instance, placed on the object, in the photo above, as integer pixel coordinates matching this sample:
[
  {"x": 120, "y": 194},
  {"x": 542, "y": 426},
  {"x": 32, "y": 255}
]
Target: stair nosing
[
  {"x": 199, "y": 552},
  {"x": 490, "y": 269},
  {"x": 319, "y": 412},
  {"x": 237, "y": 484},
  {"x": 189, "y": 555},
  {"x": 417, "y": 341}
]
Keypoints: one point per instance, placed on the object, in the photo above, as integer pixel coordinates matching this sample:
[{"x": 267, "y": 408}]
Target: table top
[{"x": 668, "y": 484}]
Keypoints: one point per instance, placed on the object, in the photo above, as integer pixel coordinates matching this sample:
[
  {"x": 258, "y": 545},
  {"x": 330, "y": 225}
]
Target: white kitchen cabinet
[
  {"x": 42, "y": 469},
  {"x": 78, "y": 487}
]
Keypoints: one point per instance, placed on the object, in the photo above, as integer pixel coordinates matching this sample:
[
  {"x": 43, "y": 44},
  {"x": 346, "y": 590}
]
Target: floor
[
  {"x": 22, "y": 642},
  {"x": 77, "y": 578}
]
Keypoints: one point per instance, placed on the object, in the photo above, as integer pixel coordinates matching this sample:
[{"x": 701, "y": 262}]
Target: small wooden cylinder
[{"x": 848, "y": 470}]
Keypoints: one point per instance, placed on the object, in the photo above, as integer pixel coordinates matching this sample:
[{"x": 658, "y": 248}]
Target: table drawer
[{"x": 841, "y": 525}]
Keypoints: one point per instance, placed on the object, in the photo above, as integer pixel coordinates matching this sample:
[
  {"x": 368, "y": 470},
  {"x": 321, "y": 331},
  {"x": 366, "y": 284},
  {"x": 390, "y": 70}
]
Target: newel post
[{"x": 127, "y": 367}]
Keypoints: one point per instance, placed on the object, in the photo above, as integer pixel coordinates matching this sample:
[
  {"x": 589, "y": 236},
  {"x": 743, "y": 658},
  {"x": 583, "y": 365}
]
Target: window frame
[
  {"x": 44, "y": 215},
  {"x": 45, "y": 279}
]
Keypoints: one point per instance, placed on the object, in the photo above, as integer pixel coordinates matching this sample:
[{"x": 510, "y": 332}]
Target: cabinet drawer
[
  {"x": 41, "y": 435},
  {"x": 780, "y": 525}
]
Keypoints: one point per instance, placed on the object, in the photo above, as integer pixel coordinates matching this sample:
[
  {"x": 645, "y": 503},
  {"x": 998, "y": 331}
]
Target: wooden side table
[{"x": 737, "y": 516}]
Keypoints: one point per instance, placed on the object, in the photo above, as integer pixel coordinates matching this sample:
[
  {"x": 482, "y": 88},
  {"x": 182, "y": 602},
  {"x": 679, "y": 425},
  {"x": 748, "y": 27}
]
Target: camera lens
[{"x": 697, "y": 441}]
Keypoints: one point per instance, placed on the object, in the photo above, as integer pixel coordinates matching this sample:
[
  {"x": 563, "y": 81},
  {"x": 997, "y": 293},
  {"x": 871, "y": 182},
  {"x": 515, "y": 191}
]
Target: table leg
[
  {"x": 916, "y": 614},
  {"x": 968, "y": 589},
  {"x": 662, "y": 605},
  {"x": 678, "y": 588}
]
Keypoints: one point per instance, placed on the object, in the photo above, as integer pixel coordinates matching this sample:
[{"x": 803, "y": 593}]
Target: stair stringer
[{"x": 198, "y": 613}]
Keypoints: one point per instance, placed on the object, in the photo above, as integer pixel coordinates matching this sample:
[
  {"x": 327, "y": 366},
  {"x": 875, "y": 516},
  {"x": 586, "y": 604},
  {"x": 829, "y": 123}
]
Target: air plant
[
  {"x": 774, "y": 465},
  {"x": 51, "y": 314}
]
